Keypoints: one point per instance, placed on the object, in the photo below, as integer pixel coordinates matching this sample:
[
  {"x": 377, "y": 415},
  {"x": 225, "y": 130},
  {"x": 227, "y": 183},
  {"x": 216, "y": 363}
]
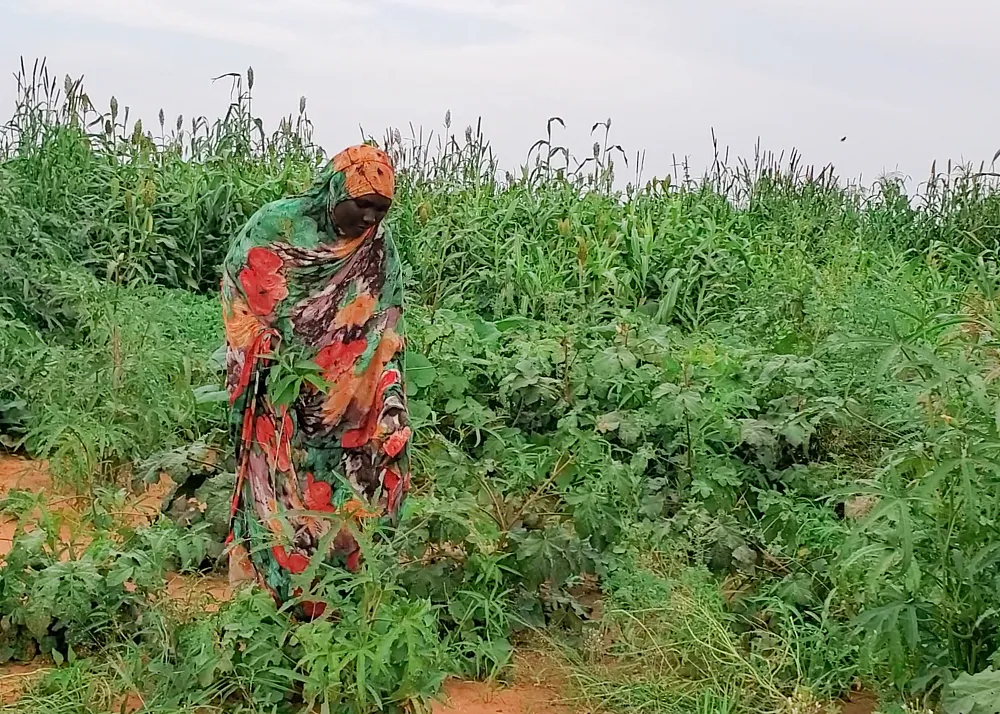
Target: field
[{"x": 719, "y": 444}]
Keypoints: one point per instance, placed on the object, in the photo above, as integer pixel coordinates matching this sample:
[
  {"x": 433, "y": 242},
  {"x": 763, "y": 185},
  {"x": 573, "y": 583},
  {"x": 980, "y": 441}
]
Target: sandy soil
[
  {"x": 860, "y": 703},
  {"x": 16, "y": 678},
  {"x": 16, "y": 474},
  {"x": 457, "y": 698},
  {"x": 537, "y": 683},
  {"x": 537, "y": 689},
  {"x": 479, "y": 698},
  {"x": 207, "y": 593},
  {"x": 66, "y": 506}
]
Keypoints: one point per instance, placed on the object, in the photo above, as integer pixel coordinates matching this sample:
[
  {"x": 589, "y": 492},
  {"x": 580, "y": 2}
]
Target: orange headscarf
[{"x": 366, "y": 170}]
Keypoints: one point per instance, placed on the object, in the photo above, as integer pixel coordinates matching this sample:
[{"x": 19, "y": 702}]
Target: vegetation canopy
[{"x": 731, "y": 443}]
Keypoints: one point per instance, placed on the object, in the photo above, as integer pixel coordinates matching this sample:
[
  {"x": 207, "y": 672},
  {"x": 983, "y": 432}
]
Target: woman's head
[{"x": 361, "y": 189}]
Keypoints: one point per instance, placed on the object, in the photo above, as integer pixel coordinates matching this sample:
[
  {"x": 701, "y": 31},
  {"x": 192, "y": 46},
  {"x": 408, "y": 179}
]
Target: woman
[{"x": 312, "y": 306}]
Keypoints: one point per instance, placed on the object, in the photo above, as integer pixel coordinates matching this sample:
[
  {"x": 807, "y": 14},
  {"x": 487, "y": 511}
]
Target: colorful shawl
[{"x": 313, "y": 326}]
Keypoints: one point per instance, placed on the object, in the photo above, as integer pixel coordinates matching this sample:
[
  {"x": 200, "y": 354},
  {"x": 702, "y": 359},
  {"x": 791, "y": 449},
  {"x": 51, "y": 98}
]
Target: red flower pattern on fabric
[
  {"x": 296, "y": 563},
  {"x": 262, "y": 281},
  {"x": 396, "y": 442},
  {"x": 339, "y": 357},
  {"x": 318, "y": 495},
  {"x": 312, "y": 610},
  {"x": 261, "y": 345}
]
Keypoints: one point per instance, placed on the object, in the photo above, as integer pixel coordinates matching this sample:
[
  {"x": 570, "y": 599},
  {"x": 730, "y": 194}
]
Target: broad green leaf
[
  {"x": 119, "y": 576},
  {"x": 210, "y": 394},
  {"x": 419, "y": 370},
  {"x": 973, "y": 694}
]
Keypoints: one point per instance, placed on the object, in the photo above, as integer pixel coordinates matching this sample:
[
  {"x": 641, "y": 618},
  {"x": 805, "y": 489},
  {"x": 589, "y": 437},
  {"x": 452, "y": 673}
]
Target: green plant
[
  {"x": 929, "y": 544},
  {"x": 779, "y": 388}
]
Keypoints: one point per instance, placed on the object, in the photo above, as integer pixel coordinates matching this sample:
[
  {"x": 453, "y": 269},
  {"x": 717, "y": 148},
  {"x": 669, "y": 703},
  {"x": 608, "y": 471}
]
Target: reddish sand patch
[
  {"x": 537, "y": 689},
  {"x": 128, "y": 704},
  {"x": 144, "y": 509},
  {"x": 67, "y": 506},
  {"x": 860, "y": 703},
  {"x": 26, "y": 475},
  {"x": 202, "y": 593},
  {"x": 479, "y": 698},
  {"x": 17, "y": 474},
  {"x": 16, "y": 678},
  {"x": 140, "y": 510}
]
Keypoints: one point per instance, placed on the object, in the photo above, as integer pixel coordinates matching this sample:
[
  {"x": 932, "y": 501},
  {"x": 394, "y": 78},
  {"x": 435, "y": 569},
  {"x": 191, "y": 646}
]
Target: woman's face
[{"x": 356, "y": 215}]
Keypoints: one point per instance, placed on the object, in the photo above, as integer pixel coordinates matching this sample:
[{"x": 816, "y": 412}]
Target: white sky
[{"x": 907, "y": 81}]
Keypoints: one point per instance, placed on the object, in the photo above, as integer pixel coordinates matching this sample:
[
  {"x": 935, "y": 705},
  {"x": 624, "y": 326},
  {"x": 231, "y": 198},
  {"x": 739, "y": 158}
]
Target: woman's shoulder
[
  {"x": 272, "y": 216},
  {"x": 269, "y": 224}
]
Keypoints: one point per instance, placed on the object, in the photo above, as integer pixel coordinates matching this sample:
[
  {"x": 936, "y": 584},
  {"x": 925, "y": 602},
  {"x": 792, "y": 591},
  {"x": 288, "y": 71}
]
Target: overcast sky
[{"x": 906, "y": 81}]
